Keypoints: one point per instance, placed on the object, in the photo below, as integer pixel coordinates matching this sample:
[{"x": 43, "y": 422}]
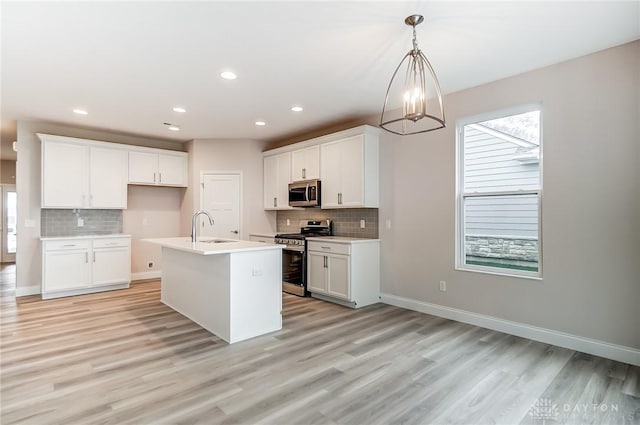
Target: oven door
[{"x": 294, "y": 271}]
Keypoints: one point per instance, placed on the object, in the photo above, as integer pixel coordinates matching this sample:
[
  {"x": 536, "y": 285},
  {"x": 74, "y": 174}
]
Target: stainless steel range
[{"x": 294, "y": 255}]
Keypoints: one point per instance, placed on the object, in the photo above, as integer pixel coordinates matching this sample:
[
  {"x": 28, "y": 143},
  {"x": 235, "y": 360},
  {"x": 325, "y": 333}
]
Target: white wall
[
  {"x": 229, "y": 156},
  {"x": 152, "y": 212},
  {"x": 591, "y": 203},
  {"x": 28, "y": 258}
]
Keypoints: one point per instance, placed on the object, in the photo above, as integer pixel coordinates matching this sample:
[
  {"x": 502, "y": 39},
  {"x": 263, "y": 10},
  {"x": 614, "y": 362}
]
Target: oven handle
[{"x": 293, "y": 248}]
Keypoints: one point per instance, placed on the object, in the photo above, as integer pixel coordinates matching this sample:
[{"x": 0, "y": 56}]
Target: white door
[
  {"x": 9, "y": 223},
  {"x": 221, "y": 194}
]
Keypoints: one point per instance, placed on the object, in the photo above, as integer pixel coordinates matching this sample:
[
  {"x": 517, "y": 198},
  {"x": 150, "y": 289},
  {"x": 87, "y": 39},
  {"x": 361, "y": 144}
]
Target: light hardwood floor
[{"x": 122, "y": 357}]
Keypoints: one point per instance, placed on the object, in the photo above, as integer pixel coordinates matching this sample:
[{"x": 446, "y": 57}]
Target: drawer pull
[
  {"x": 70, "y": 244},
  {"x": 325, "y": 247}
]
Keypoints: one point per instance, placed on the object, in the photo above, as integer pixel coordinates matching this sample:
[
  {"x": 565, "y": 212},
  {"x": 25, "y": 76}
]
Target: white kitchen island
[{"x": 233, "y": 289}]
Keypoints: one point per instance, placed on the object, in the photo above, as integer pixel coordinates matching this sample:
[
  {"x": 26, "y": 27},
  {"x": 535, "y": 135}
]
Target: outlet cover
[
  {"x": 362, "y": 224},
  {"x": 443, "y": 286}
]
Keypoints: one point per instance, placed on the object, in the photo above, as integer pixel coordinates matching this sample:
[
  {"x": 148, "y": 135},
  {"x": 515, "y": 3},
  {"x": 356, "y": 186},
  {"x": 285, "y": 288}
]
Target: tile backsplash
[
  {"x": 346, "y": 222},
  {"x": 54, "y": 222}
]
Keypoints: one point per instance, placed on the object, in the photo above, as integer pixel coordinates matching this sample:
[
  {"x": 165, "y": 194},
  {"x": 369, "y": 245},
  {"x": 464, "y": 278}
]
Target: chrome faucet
[{"x": 193, "y": 223}]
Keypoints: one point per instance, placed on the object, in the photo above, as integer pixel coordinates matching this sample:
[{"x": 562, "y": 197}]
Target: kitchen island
[{"x": 231, "y": 288}]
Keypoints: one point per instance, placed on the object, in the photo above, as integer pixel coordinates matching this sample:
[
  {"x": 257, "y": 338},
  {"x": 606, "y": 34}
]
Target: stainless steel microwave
[{"x": 304, "y": 193}]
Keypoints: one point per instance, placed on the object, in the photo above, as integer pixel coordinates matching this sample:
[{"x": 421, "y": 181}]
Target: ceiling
[{"x": 129, "y": 63}]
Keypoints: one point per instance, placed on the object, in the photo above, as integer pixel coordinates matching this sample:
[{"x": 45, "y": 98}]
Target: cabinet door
[
  {"x": 305, "y": 164},
  {"x": 64, "y": 175},
  {"x": 352, "y": 172},
  {"x": 338, "y": 276},
  {"x": 277, "y": 174},
  {"x": 108, "y": 178},
  {"x": 143, "y": 168},
  {"x": 66, "y": 270},
  {"x": 270, "y": 182},
  {"x": 172, "y": 170},
  {"x": 330, "y": 165},
  {"x": 111, "y": 265},
  {"x": 316, "y": 272}
]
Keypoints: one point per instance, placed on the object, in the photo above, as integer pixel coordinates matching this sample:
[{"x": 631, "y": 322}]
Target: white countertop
[
  {"x": 201, "y": 247},
  {"x": 263, "y": 234},
  {"x": 59, "y": 238},
  {"x": 341, "y": 239}
]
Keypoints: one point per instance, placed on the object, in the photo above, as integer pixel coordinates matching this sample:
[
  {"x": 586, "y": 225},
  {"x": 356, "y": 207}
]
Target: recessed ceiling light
[
  {"x": 179, "y": 109},
  {"x": 80, "y": 111},
  {"x": 228, "y": 75},
  {"x": 297, "y": 108},
  {"x": 174, "y": 128},
  {"x": 261, "y": 123}
]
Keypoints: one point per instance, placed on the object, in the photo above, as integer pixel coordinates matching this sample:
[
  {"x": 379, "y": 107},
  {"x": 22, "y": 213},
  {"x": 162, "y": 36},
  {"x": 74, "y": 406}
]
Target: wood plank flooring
[{"x": 122, "y": 357}]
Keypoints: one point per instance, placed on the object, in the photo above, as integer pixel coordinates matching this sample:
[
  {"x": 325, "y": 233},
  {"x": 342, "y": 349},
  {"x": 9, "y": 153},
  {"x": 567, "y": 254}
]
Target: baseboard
[
  {"x": 154, "y": 274},
  {"x": 24, "y": 291},
  {"x": 548, "y": 336}
]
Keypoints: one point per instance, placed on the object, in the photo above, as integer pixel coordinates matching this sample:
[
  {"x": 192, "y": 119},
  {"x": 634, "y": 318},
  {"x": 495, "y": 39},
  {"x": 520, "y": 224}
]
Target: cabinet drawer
[
  {"x": 336, "y": 248},
  {"x": 67, "y": 245},
  {"x": 111, "y": 242}
]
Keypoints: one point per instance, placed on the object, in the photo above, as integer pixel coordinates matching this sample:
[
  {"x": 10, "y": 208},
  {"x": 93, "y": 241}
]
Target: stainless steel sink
[{"x": 215, "y": 241}]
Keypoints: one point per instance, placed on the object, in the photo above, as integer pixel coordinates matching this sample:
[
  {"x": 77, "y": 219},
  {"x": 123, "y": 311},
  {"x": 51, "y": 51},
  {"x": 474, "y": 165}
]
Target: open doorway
[{"x": 9, "y": 223}]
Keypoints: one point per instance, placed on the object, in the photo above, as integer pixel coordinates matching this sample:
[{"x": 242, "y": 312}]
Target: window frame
[{"x": 460, "y": 255}]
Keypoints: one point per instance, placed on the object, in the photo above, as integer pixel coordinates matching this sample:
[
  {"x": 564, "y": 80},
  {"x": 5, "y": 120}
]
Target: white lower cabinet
[
  {"x": 347, "y": 272},
  {"x": 83, "y": 265}
]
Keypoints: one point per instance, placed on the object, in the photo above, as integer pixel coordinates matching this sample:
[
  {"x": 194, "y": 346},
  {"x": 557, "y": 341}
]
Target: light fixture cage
[{"x": 413, "y": 103}]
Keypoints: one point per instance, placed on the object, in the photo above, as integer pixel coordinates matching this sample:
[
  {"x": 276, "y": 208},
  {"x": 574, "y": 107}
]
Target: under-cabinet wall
[
  {"x": 345, "y": 221},
  {"x": 64, "y": 222}
]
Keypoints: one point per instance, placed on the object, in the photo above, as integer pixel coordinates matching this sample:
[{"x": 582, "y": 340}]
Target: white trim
[
  {"x": 573, "y": 342},
  {"x": 460, "y": 195},
  {"x": 154, "y": 274},
  {"x": 25, "y": 291}
]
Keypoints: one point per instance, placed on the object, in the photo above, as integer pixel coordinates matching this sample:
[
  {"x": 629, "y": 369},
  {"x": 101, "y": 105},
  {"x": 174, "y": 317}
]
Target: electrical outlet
[
  {"x": 80, "y": 222},
  {"x": 362, "y": 224},
  {"x": 388, "y": 224},
  {"x": 149, "y": 264},
  {"x": 288, "y": 222},
  {"x": 443, "y": 286}
]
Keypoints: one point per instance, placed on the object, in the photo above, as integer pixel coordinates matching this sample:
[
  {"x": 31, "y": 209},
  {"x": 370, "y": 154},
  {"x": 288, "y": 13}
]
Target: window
[{"x": 499, "y": 193}]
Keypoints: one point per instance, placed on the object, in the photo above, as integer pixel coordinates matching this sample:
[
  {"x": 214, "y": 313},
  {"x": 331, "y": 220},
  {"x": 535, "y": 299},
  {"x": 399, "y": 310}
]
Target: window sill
[{"x": 499, "y": 273}]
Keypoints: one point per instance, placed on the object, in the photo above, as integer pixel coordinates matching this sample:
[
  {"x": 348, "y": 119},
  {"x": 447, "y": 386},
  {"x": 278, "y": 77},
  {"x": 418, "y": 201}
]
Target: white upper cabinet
[
  {"x": 64, "y": 175},
  {"x": 346, "y": 163},
  {"x": 305, "y": 163},
  {"x": 277, "y": 175},
  {"x": 107, "y": 178},
  {"x": 349, "y": 169},
  {"x": 78, "y": 175},
  {"x": 161, "y": 169}
]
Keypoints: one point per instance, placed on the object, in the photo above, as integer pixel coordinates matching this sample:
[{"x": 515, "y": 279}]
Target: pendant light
[{"x": 417, "y": 93}]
